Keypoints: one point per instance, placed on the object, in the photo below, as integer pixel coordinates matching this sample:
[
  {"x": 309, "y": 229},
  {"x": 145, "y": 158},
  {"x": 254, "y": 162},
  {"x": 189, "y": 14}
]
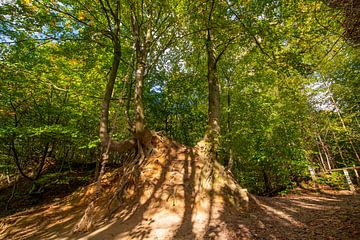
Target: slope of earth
[{"x": 176, "y": 193}]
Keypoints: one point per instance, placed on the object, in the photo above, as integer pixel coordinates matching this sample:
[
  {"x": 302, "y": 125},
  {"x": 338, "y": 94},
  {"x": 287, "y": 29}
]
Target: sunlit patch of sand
[{"x": 176, "y": 200}]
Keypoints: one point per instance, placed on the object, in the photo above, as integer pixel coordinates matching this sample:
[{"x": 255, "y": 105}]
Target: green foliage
[
  {"x": 280, "y": 63},
  {"x": 336, "y": 180},
  {"x": 176, "y": 105},
  {"x": 61, "y": 178}
]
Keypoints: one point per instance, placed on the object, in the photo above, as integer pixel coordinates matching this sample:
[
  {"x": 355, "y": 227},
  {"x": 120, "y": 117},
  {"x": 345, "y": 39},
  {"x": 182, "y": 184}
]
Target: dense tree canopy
[{"x": 272, "y": 86}]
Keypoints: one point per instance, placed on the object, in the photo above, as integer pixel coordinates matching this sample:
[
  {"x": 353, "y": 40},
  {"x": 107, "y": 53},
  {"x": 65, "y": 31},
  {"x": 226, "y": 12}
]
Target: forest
[{"x": 102, "y": 100}]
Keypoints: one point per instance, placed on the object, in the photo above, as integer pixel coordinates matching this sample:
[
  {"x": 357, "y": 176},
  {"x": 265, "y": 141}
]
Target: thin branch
[
  {"x": 328, "y": 52},
  {"x": 42, "y": 39},
  {"x": 17, "y": 161},
  {"x": 106, "y": 15},
  {"x": 111, "y": 11},
  {"x": 224, "y": 49},
  {"x": 129, "y": 64},
  {"x": 167, "y": 45},
  {"x": 252, "y": 35},
  {"x": 85, "y": 6},
  {"x": 63, "y": 12}
]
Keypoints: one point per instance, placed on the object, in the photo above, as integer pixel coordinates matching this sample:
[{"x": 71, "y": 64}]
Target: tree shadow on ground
[
  {"x": 137, "y": 223},
  {"x": 185, "y": 230},
  {"x": 51, "y": 221},
  {"x": 168, "y": 204},
  {"x": 316, "y": 216},
  {"x": 15, "y": 197}
]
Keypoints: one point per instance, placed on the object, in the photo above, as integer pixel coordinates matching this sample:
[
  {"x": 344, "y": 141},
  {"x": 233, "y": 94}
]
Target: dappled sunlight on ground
[
  {"x": 308, "y": 216},
  {"x": 53, "y": 221},
  {"x": 176, "y": 197}
]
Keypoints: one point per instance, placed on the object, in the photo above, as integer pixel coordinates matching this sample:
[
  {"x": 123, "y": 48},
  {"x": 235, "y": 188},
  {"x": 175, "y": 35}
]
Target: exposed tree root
[
  {"x": 164, "y": 175},
  {"x": 128, "y": 173},
  {"x": 86, "y": 222}
]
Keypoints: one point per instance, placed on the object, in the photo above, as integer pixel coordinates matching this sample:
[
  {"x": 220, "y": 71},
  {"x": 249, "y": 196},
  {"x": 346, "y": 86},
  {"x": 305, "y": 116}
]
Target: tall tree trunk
[
  {"x": 326, "y": 152},
  {"x": 105, "y": 138},
  {"x": 344, "y": 127},
  {"x": 338, "y": 146},
  {"x": 141, "y": 43},
  {"x": 267, "y": 182},
  {"x": 321, "y": 157},
  {"x": 104, "y": 120},
  {"x": 213, "y": 131},
  {"x": 128, "y": 81},
  {"x": 139, "y": 107},
  {"x": 40, "y": 167},
  {"x": 230, "y": 161}
]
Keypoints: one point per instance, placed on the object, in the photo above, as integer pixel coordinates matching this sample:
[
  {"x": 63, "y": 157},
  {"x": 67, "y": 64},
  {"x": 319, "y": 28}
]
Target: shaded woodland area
[{"x": 195, "y": 115}]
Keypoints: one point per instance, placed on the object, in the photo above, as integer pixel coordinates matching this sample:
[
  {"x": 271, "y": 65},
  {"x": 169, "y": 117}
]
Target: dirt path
[
  {"x": 310, "y": 216},
  {"x": 174, "y": 198}
]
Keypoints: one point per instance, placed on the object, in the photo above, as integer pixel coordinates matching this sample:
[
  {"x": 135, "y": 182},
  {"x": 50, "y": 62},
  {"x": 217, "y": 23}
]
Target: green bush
[{"x": 335, "y": 180}]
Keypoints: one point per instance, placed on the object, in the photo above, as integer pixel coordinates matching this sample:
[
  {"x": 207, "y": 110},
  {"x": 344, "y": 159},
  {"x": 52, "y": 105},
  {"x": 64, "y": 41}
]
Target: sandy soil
[
  {"x": 307, "y": 216},
  {"x": 176, "y": 199}
]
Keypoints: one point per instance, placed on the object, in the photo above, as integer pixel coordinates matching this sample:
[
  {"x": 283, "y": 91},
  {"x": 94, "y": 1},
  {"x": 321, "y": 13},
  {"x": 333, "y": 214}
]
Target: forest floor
[
  {"x": 304, "y": 216},
  {"x": 178, "y": 201}
]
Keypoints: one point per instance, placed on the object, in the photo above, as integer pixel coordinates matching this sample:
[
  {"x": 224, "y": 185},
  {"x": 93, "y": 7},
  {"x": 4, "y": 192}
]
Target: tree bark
[
  {"x": 326, "y": 152},
  {"x": 230, "y": 160},
  {"x": 213, "y": 131},
  {"x": 338, "y": 146},
  {"x": 139, "y": 107},
  {"x": 17, "y": 161},
  {"x": 267, "y": 183},
  {"x": 141, "y": 43},
  {"x": 40, "y": 167},
  {"x": 321, "y": 157},
  {"x": 344, "y": 127},
  {"x": 105, "y": 138}
]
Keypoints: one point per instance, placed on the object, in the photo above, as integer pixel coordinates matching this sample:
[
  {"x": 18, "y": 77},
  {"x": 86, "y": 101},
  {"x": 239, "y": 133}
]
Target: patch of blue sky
[
  {"x": 261, "y": 17},
  {"x": 157, "y": 89},
  {"x": 5, "y": 39},
  {"x": 4, "y": 2},
  {"x": 319, "y": 94}
]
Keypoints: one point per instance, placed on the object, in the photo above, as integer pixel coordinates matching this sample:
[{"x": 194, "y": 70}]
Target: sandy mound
[{"x": 177, "y": 193}]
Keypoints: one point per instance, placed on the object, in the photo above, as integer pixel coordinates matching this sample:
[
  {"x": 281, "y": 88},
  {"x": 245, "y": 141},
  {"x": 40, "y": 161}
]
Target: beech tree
[{"x": 167, "y": 66}]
